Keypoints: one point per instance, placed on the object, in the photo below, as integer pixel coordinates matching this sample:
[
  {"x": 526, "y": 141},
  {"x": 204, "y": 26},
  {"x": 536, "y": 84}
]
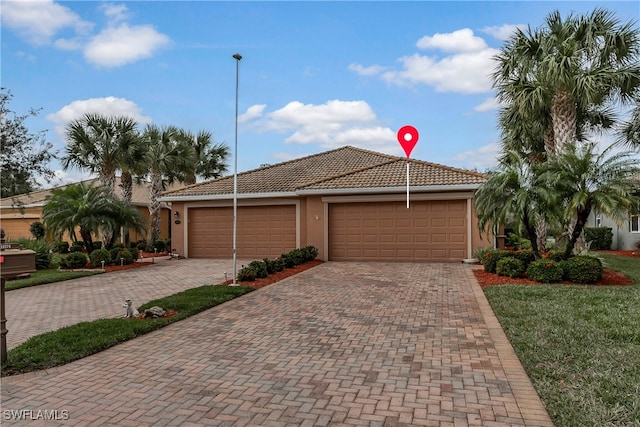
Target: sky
[{"x": 314, "y": 76}]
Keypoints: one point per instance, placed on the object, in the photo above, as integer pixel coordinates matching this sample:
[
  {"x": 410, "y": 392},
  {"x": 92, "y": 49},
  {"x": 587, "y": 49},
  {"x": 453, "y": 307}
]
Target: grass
[
  {"x": 580, "y": 345},
  {"x": 83, "y": 339},
  {"x": 42, "y": 277}
]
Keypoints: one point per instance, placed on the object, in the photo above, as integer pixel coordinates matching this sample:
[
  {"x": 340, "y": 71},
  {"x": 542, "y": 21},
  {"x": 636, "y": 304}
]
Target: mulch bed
[
  {"x": 609, "y": 278},
  {"x": 632, "y": 253},
  {"x": 276, "y": 277}
]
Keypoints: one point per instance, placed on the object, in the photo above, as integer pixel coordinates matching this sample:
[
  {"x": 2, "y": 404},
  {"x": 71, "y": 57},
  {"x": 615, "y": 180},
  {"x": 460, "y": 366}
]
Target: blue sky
[{"x": 314, "y": 75}]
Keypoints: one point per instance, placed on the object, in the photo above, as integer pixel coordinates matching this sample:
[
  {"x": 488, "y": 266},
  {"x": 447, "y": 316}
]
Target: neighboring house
[
  {"x": 19, "y": 212},
  {"x": 350, "y": 203},
  {"x": 625, "y": 236}
]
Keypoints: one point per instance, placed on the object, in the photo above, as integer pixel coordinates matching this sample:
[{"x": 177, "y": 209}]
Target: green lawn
[
  {"x": 83, "y": 339},
  {"x": 580, "y": 345},
  {"x": 50, "y": 275}
]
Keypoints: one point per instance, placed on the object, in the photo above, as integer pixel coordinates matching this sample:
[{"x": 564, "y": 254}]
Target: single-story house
[
  {"x": 19, "y": 212},
  {"x": 350, "y": 203}
]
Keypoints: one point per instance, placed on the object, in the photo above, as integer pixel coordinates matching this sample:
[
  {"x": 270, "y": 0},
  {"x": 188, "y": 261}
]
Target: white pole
[
  {"x": 407, "y": 184},
  {"x": 237, "y": 57}
]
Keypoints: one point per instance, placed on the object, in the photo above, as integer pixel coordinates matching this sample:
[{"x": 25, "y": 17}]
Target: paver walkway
[
  {"x": 341, "y": 344},
  {"x": 38, "y": 309}
]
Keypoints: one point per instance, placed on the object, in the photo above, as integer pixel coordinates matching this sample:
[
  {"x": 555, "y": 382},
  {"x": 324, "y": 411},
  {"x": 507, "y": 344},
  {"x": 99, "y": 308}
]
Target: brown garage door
[
  {"x": 428, "y": 230},
  {"x": 262, "y": 231}
]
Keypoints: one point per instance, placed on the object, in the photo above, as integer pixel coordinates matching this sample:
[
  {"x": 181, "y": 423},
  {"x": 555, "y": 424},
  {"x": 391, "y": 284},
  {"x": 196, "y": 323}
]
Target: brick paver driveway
[{"x": 340, "y": 344}]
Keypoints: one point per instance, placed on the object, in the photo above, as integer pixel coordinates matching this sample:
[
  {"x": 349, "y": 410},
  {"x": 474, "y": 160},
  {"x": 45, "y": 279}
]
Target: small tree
[{"x": 37, "y": 230}]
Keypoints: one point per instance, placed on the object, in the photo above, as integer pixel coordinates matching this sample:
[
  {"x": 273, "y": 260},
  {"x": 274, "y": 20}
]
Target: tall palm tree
[
  {"x": 569, "y": 73},
  {"x": 104, "y": 145},
  {"x": 166, "y": 153},
  {"x": 587, "y": 180},
  {"x": 514, "y": 194},
  {"x": 210, "y": 159},
  {"x": 87, "y": 208}
]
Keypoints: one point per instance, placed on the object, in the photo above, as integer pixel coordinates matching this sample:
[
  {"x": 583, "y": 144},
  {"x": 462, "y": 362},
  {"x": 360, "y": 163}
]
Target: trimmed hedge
[
  {"x": 98, "y": 256},
  {"x": 600, "y": 238},
  {"x": 582, "y": 269},
  {"x": 491, "y": 258},
  {"x": 510, "y": 267},
  {"x": 545, "y": 271},
  {"x": 74, "y": 260},
  {"x": 260, "y": 269}
]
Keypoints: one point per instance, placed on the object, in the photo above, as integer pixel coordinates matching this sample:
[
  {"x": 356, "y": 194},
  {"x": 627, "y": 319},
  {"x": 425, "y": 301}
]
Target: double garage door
[
  {"x": 261, "y": 231},
  {"x": 388, "y": 231},
  {"x": 371, "y": 231}
]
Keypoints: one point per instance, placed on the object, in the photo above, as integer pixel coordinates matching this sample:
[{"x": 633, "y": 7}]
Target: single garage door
[
  {"x": 262, "y": 231},
  {"x": 388, "y": 231}
]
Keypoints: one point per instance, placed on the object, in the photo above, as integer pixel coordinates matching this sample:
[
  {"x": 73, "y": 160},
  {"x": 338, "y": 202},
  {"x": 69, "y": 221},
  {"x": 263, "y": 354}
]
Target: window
[{"x": 635, "y": 223}]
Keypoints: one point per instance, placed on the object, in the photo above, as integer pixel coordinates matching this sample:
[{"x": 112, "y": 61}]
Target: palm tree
[
  {"x": 568, "y": 74},
  {"x": 89, "y": 209},
  {"x": 210, "y": 159},
  {"x": 514, "y": 194},
  {"x": 586, "y": 180},
  {"x": 166, "y": 153},
  {"x": 104, "y": 145}
]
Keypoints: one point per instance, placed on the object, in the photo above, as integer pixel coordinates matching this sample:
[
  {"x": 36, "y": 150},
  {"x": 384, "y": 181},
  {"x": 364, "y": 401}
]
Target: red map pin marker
[{"x": 408, "y": 138}]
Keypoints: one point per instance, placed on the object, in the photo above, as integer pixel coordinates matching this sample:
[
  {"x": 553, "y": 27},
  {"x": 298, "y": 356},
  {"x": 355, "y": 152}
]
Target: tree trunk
[
  {"x": 531, "y": 234},
  {"x": 154, "y": 209},
  {"x": 126, "y": 187},
  {"x": 549, "y": 143},
  {"x": 108, "y": 180},
  {"x": 581, "y": 220},
  {"x": 541, "y": 232},
  {"x": 563, "y": 117},
  {"x": 190, "y": 178}
]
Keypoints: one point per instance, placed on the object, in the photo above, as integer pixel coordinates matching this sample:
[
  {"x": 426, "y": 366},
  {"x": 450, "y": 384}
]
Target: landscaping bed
[{"x": 609, "y": 278}]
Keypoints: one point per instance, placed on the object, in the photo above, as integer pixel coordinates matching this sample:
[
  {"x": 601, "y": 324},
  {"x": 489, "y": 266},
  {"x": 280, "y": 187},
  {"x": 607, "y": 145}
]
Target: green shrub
[
  {"x": 491, "y": 258},
  {"x": 124, "y": 257},
  {"x": 74, "y": 260},
  {"x": 582, "y": 269},
  {"x": 98, "y": 256},
  {"x": 246, "y": 274},
  {"x": 270, "y": 264},
  {"x": 42, "y": 250},
  {"x": 61, "y": 247},
  {"x": 526, "y": 256},
  {"x": 37, "y": 230},
  {"x": 638, "y": 244},
  {"x": 141, "y": 246},
  {"x": 480, "y": 252},
  {"x": 600, "y": 238},
  {"x": 167, "y": 245},
  {"x": 76, "y": 247},
  {"x": 260, "y": 268},
  {"x": 517, "y": 242},
  {"x": 159, "y": 245},
  {"x": 134, "y": 253},
  {"x": 287, "y": 260},
  {"x": 298, "y": 256},
  {"x": 545, "y": 271},
  {"x": 556, "y": 256},
  {"x": 510, "y": 267},
  {"x": 97, "y": 245},
  {"x": 310, "y": 253}
]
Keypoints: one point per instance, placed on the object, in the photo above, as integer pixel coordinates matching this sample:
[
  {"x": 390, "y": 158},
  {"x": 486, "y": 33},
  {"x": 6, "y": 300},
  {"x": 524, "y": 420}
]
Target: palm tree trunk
[
  {"x": 154, "y": 208},
  {"x": 126, "y": 187},
  {"x": 541, "y": 232},
  {"x": 563, "y": 117},
  {"x": 575, "y": 234},
  {"x": 549, "y": 143},
  {"x": 108, "y": 180}
]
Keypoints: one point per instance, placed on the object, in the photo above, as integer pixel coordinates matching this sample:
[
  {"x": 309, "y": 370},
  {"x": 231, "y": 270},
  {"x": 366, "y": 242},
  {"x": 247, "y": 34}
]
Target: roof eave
[
  {"x": 378, "y": 190},
  {"x": 225, "y": 196}
]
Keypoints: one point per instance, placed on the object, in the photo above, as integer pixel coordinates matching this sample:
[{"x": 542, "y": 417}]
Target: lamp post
[{"x": 237, "y": 57}]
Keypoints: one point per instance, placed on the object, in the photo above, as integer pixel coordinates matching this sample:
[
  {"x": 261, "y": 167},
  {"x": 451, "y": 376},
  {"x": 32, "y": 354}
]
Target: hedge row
[
  {"x": 554, "y": 268},
  {"x": 260, "y": 269}
]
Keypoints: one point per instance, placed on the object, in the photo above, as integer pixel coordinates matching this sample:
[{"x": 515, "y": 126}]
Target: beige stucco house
[
  {"x": 350, "y": 203},
  {"x": 19, "y": 212}
]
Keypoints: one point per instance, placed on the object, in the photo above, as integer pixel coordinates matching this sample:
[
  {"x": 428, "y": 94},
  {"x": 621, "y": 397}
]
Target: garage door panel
[
  {"x": 429, "y": 230},
  {"x": 262, "y": 231}
]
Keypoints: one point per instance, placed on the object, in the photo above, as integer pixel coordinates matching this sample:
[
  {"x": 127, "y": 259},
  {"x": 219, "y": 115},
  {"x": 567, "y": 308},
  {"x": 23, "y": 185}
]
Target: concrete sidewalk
[{"x": 378, "y": 344}]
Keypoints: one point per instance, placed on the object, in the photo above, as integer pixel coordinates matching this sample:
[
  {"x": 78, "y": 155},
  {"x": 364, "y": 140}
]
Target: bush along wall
[
  {"x": 259, "y": 269},
  {"x": 600, "y": 238}
]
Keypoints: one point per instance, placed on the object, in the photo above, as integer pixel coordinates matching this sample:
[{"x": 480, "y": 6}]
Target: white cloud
[
  {"x": 117, "y": 46},
  {"x": 367, "y": 71},
  {"x": 333, "y": 124},
  {"x": 483, "y": 158},
  {"x": 252, "y": 113},
  {"x": 458, "y": 41},
  {"x": 114, "y": 12},
  {"x": 39, "y": 21},
  {"x": 503, "y": 32},
  {"x": 108, "y": 106},
  {"x": 488, "y": 105},
  {"x": 465, "y": 67}
]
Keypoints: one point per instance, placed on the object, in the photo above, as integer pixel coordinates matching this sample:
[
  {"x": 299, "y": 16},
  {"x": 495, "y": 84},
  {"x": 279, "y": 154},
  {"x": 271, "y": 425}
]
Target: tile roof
[
  {"x": 343, "y": 168},
  {"x": 140, "y": 194}
]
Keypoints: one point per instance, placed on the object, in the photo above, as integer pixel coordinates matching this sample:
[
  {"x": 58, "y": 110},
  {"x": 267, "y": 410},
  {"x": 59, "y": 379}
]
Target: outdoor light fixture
[
  {"x": 176, "y": 214},
  {"x": 237, "y": 57}
]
